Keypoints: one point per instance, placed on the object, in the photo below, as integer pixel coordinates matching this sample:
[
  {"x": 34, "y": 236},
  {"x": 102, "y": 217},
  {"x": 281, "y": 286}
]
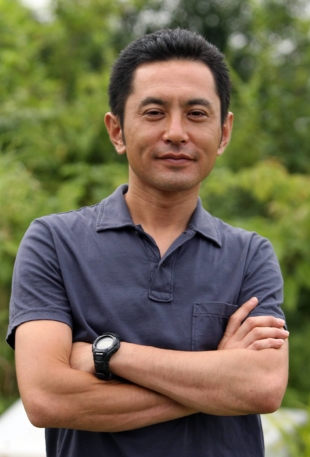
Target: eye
[
  {"x": 197, "y": 114},
  {"x": 154, "y": 112}
]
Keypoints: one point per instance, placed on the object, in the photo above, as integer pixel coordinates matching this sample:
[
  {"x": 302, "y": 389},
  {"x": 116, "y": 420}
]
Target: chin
[{"x": 177, "y": 186}]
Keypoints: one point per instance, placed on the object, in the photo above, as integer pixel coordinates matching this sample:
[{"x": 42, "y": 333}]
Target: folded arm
[
  {"x": 56, "y": 395},
  {"x": 59, "y": 389},
  {"x": 248, "y": 374},
  {"x": 223, "y": 382}
]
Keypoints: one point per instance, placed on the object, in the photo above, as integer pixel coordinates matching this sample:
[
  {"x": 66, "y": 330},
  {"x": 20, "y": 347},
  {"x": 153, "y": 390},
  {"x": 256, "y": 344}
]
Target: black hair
[{"x": 164, "y": 45}]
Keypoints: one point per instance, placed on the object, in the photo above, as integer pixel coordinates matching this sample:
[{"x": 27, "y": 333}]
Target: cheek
[
  {"x": 135, "y": 157},
  {"x": 211, "y": 143}
]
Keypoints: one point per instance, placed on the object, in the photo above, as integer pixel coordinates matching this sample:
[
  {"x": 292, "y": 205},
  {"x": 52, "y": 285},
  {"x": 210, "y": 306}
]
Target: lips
[{"x": 175, "y": 157}]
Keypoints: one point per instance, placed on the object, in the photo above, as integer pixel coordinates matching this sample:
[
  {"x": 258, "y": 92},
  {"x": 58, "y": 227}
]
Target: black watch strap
[
  {"x": 102, "y": 356},
  {"x": 102, "y": 368}
]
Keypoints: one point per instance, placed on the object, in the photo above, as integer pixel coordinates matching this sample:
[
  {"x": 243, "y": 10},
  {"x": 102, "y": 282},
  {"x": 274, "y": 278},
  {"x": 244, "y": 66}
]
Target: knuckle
[
  {"x": 251, "y": 321},
  {"x": 257, "y": 332},
  {"x": 257, "y": 345}
]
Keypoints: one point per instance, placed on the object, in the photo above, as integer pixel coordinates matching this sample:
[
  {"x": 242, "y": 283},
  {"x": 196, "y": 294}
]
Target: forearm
[
  {"x": 246, "y": 375},
  {"x": 58, "y": 396},
  {"x": 82, "y": 402},
  {"x": 231, "y": 382}
]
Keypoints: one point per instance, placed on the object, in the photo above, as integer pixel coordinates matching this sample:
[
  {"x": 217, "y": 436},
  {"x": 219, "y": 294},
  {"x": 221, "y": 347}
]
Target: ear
[
  {"x": 115, "y": 132},
  {"x": 226, "y": 133}
]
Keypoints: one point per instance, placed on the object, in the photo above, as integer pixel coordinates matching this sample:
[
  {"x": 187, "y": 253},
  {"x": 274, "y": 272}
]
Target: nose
[{"x": 175, "y": 130}]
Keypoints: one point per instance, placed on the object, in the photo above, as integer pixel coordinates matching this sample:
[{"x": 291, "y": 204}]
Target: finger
[
  {"x": 255, "y": 335},
  {"x": 261, "y": 333},
  {"x": 238, "y": 317},
  {"x": 269, "y": 343},
  {"x": 254, "y": 323}
]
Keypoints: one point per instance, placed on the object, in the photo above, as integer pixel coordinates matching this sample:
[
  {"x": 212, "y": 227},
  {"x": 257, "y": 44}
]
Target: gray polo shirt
[{"x": 96, "y": 271}]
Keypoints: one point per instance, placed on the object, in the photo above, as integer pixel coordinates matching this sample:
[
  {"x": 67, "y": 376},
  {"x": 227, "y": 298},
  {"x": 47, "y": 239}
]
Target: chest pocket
[{"x": 209, "y": 323}]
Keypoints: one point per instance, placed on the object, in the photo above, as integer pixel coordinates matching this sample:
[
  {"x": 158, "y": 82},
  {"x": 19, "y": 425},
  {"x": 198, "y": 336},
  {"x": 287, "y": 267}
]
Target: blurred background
[{"x": 55, "y": 154}]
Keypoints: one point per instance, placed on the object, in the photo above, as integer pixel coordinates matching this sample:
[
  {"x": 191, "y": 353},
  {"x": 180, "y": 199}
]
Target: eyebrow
[
  {"x": 199, "y": 101},
  {"x": 152, "y": 100},
  {"x": 158, "y": 101}
]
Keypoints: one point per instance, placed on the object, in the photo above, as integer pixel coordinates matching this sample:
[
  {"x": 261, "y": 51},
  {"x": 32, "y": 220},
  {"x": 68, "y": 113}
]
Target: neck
[{"x": 163, "y": 215}]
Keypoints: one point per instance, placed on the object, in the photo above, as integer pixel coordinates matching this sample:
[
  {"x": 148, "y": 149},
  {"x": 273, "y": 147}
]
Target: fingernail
[{"x": 281, "y": 322}]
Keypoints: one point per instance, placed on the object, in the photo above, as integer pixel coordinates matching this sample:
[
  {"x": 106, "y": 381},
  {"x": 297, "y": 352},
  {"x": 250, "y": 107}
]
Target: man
[{"x": 191, "y": 369}]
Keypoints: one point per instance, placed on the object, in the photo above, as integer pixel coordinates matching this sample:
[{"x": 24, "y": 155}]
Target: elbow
[
  {"x": 271, "y": 403},
  {"x": 272, "y": 395},
  {"x": 273, "y": 382},
  {"x": 39, "y": 411}
]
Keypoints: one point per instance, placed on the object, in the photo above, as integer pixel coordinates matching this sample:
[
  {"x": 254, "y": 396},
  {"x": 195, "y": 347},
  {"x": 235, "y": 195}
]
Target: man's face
[{"x": 172, "y": 126}]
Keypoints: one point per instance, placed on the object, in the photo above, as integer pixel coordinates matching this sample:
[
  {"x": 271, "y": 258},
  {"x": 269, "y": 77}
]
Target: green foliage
[
  {"x": 20, "y": 193},
  {"x": 55, "y": 154},
  {"x": 298, "y": 440},
  {"x": 300, "y": 445}
]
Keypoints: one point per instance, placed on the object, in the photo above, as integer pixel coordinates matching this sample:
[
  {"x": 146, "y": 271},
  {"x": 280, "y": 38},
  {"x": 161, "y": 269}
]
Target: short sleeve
[
  {"x": 38, "y": 291},
  {"x": 263, "y": 279}
]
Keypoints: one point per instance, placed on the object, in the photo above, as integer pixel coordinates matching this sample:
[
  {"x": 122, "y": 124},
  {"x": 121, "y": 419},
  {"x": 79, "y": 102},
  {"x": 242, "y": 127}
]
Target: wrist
[{"x": 123, "y": 362}]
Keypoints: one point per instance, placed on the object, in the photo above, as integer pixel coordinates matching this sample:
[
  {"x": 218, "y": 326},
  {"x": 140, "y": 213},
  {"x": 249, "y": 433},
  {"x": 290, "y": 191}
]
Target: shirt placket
[{"x": 162, "y": 268}]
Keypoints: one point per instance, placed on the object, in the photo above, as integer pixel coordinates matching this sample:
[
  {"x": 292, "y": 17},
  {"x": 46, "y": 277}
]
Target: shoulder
[
  {"x": 69, "y": 219},
  {"x": 252, "y": 249},
  {"x": 47, "y": 233},
  {"x": 233, "y": 236},
  {"x": 222, "y": 234},
  {"x": 88, "y": 218}
]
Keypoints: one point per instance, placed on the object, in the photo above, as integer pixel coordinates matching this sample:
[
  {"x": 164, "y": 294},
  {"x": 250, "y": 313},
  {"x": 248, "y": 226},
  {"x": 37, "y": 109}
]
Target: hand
[
  {"x": 81, "y": 357},
  {"x": 256, "y": 333}
]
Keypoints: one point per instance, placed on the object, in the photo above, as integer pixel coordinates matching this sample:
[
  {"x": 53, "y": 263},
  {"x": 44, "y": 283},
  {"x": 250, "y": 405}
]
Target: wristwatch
[{"x": 103, "y": 348}]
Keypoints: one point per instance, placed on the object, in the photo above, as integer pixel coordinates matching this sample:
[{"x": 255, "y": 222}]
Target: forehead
[{"x": 174, "y": 77}]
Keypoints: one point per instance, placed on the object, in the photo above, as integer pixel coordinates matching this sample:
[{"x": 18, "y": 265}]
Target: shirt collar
[
  {"x": 114, "y": 213},
  {"x": 203, "y": 223}
]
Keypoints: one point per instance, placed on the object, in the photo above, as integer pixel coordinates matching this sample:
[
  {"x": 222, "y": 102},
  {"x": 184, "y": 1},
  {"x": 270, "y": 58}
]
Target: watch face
[{"x": 104, "y": 342}]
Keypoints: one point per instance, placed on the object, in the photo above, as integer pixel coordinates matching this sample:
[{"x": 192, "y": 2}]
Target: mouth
[{"x": 176, "y": 158}]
